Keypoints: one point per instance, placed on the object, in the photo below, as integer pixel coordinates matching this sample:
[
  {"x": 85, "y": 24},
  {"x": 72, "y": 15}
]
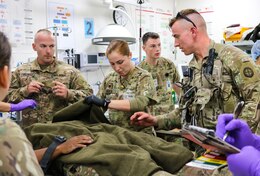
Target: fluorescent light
[{"x": 112, "y": 32}]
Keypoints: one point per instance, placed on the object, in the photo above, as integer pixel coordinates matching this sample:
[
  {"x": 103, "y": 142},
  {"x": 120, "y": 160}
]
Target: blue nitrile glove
[
  {"x": 245, "y": 163},
  {"x": 92, "y": 99},
  {"x": 239, "y": 135},
  {"x": 23, "y": 105},
  {"x": 255, "y": 51}
]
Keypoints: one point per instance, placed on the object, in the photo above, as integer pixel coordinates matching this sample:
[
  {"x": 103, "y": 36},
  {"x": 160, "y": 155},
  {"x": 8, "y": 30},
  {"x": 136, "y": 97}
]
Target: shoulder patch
[{"x": 248, "y": 72}]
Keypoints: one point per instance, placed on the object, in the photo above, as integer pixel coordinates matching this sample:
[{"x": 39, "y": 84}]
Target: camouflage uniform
[
  {"x": 164, "y": 75},
  {"x": 16, "y": 155},
  {"x": 48, "y": 103},
  {"x": 258, "y": 68},
  {"x": 234, "y": 78},
  {"x": 138, "y": 87},
  {"x": 194, "y": 171},
  {"x": 72, "y": 170}
]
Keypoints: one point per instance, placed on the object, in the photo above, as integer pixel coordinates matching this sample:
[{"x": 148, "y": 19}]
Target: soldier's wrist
[
  {"x": 155, "y": 122},
  {"x": 160, "y": 122},
  {"x": 70, "y": 95},
  {"x": 24, "y": 91}
]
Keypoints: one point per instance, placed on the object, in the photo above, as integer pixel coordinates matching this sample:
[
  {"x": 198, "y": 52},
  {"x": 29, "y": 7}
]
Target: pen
[
  {"x": 202, "y": 130},
  {"x": 237, "y": 111}
]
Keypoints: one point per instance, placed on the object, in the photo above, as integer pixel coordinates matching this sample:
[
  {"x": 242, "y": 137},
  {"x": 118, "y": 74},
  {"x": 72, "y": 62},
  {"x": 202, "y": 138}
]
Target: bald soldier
[
  {"x": 219, "y": 76},
  {"x": 51, "y": 83}
]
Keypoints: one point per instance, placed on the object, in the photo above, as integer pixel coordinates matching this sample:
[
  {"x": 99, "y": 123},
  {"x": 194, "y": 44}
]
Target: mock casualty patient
[{"x": 113, "y": 150}]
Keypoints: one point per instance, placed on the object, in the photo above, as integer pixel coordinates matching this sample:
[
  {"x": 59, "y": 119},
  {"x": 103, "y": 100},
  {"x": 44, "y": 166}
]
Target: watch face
[
  {"x": 60, "y": 139},
  {"x": 119, "y": 17}
]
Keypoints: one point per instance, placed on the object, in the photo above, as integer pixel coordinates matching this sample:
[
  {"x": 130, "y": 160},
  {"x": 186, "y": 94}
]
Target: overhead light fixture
[{"x": 112, "y": 32}]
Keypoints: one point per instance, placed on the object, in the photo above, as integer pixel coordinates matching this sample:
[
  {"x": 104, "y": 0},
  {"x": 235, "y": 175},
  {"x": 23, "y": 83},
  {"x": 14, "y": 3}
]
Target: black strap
[
  {"x": 46, "y": 159},
  {"x": 47, "y": 156}
]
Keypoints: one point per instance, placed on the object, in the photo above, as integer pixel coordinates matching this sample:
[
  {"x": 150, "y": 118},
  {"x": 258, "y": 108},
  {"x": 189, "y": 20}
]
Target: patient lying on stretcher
[{"x": 104, "y": 149}]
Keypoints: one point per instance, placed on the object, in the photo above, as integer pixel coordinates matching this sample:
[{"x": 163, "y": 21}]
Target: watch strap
[{"x": 107, "y": 101}]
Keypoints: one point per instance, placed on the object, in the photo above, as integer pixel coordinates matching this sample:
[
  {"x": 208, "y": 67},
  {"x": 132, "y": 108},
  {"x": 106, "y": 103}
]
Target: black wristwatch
[
  {"x": 48, "y": 153},
  {"x": 107, "y": 101}
]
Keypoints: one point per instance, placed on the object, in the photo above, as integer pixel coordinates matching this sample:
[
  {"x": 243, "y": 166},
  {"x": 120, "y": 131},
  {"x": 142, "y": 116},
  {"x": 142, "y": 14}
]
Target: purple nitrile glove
[
  {"x": 239, "y": 135},
  {"x": 23, "y": 105},
  {"x": 245, "y": 163},
  {"x": 223, "y": 120}
]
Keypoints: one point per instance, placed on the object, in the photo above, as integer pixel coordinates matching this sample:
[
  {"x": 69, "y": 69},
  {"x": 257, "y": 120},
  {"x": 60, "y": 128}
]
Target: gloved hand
[
  {"x": 240, "y": 134},
  {"x": 92, "y": 99},
  {"x": 245, "y": 163},
  {"x": 23, "y": 105}
]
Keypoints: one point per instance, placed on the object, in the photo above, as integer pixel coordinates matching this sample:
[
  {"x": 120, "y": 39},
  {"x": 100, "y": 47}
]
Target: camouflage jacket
[
  {"x": 234, "y": 78},
  {"x": 137, "y": 87},
  {"x": 16, "y": 155},
  {"x": 47, "y": 102},
  {"x": 164, "y": 75}
]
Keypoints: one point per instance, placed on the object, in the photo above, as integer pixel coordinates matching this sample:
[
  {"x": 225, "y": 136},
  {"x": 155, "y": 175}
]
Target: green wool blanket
[{"x": 115, "y": 151}]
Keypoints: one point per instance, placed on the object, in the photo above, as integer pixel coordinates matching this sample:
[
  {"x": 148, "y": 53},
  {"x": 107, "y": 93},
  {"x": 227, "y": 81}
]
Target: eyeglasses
[{"x": 180, "y": 16}]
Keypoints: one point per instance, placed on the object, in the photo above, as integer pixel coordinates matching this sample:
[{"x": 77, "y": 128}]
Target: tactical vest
[{"x": 213, "y": 95}]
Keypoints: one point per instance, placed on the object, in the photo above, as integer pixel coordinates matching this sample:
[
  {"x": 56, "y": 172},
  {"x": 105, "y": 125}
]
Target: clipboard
[{"x": 206, "y": 138}]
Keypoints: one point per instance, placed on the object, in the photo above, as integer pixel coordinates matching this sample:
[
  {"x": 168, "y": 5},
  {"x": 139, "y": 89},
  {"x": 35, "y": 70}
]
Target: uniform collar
[
  {"x": 194, "y": 63},
  {"x": 129, "y": 75},
  {"x": 157, "y": 62},
  {"x": 51, "y": 68}
]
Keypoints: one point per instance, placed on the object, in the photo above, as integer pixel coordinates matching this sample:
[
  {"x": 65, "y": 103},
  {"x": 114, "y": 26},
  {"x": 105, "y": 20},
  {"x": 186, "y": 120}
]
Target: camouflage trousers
[
  {"x": 193, "y": 171},
  {"x": 62, "y": 169},
  {"x": 79, "y": 170}
]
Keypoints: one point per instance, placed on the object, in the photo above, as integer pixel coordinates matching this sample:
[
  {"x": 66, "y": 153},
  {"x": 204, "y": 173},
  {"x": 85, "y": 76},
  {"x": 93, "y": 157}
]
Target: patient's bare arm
[{"x": 70, "y": 145}]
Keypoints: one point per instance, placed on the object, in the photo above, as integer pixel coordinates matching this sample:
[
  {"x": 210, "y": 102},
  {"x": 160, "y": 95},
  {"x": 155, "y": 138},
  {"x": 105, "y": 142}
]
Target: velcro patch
[{"x": 246, "y": 59}]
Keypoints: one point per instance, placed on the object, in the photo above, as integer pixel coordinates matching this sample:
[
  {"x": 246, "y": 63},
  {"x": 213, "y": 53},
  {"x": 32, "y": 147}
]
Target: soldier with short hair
[
  {"x": 219, "y": 76},
  {"x": 163, "y": 71},
  {"x": 51, "y": 83}
]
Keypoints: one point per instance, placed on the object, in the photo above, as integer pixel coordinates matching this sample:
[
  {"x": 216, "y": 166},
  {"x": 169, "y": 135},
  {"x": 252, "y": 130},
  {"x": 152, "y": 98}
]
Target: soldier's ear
[
  {"x": 130, "y": 55},
  {"x": 4, "y": 77},
  {"x": 34, "y": 46}
]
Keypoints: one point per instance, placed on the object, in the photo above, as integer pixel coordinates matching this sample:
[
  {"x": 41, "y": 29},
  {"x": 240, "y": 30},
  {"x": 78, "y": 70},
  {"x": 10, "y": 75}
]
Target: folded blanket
[{"x": 80, "y": 111}]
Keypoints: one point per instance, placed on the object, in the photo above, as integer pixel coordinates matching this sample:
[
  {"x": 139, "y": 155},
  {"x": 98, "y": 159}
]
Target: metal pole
[
  {"x": 140, "y": 2},
  {"x": 56, "y": 42}
]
